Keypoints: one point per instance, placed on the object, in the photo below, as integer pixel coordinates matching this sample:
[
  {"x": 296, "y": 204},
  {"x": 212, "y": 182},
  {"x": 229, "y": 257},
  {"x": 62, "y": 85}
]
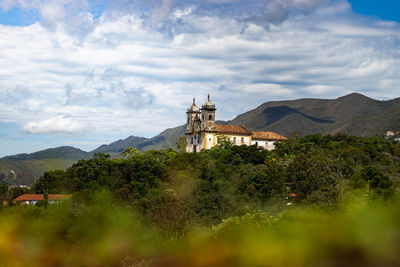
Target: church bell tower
[
  {"x": 208, "y": 116},
  {"x": 193, "y": 118}
]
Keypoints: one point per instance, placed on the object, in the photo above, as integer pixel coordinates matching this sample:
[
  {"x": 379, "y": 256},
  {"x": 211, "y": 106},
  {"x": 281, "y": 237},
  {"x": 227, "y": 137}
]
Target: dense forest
[{"x": 315, "y": 200}]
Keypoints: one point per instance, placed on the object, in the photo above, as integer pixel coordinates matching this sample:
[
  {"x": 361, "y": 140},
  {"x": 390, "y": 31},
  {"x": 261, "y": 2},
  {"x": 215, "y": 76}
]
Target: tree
[
  {"x": 181, "y": 144},
  {"x": 131, "y": 152},
  {"x": 375, "y": 179},
  {"x": 3, "y": 189},
  {"x": 314, "y": 177},
  {"x": 223, "y": 141}
]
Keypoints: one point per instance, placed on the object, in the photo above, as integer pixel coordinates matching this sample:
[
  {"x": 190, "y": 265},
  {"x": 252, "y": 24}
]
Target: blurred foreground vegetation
[{"x": 314, "y": 201}]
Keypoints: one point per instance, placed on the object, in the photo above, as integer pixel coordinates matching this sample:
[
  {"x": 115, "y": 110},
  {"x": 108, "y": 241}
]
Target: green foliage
[
  {"x": 323, "y": 195},
  {"x": 314, "y": 170},
  {"x": 374, "y": 179},
  {"x": 314, "y": 177},
  {"x": 181, "y": 144},
  {"x": 131, "y": 152},
  {"x": 98, "y": 232},
  {"x": 257, "y": 221},
  {"x": 223, "y": 141},
  {"x": 262, "y": 182},
  {"x": 3, "y": 189}
]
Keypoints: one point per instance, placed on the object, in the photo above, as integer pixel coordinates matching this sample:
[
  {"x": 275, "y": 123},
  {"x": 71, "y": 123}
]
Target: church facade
[{"x": 202, "y": 132}]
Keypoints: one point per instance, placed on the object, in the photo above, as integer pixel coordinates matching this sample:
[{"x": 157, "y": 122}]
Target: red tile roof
[
  {"x": 232, "y": 129},
  {"x": 241, "y": 129},
  {"x": 37, "y": 197},
  {"x": 256, "y": 135}
]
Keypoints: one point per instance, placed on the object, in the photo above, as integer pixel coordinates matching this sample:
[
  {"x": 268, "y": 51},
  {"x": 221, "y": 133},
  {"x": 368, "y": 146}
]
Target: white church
[{"x": 201, "y": 132}]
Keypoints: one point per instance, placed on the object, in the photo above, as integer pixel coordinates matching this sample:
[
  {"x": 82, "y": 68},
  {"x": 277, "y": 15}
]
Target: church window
[
  {"x": 234, "y": 140},
  {"x": 256, "y": 143},
  {"x": 192, "y": 140},
  {"x": 242, "y": 140},
  {"x": 210, "y": 117}
]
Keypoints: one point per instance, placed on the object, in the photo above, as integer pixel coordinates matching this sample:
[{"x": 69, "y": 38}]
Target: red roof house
[{"x": 31, "y": 199}]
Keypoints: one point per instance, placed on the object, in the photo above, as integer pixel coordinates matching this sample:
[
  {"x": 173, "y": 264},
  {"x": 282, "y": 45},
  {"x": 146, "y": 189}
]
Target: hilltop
[
  {"x": 27, "y": 168},
  {"x": 353, "y": 114}
]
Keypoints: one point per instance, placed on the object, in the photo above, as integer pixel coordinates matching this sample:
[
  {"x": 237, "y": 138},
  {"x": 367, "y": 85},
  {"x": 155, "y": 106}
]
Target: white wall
[
  {"x": 199, "y": 142},
  {"x": 270, "y": 145},
  {"x": 196, "y": 142},
  {"x": 210, "y": 141},
  {"x": 246, "y": 140}
]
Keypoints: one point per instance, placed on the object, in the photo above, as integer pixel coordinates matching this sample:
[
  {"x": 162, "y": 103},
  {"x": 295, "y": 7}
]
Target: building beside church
[
  {"x": 202, "y": 131},
  {"x": 32, "y": 199}
]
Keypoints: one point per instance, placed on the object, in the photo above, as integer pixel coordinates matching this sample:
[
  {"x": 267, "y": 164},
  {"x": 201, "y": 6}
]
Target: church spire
[{"x": 208, "y": 115}]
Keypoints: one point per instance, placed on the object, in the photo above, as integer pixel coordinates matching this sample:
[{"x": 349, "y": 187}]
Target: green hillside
[
  {"x": 27, "y": 168},
  {"x": 63, "y": 152},
  {"x": 164, "y": 140},
  {"x": 353, "y": 114},
  {"x": 27, "y": 171},
  {"x": 120, "y": 145}
]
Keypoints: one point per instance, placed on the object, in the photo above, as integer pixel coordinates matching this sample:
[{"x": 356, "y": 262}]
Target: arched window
[{"x": 210, "y": 117}]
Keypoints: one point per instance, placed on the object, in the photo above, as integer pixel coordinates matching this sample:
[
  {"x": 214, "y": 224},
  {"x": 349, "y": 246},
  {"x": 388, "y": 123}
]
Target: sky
[{"x": 85, "y": 72}]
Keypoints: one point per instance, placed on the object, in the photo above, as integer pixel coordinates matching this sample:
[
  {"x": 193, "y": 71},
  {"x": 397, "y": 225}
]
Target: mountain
[
  {"x": 164, "y": 140},
  {"x": 63, "y": 152},
  {"x": 118, "y": 146},
  {"x": 353, "y": 114},
  {"x": 27, "y": 168}
]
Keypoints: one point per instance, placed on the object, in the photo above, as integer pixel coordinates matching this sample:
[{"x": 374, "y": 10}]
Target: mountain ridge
[{"x": 352, "y": 114}]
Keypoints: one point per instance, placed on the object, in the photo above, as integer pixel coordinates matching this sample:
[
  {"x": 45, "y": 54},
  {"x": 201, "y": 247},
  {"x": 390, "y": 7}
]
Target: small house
[{"x": 32, "y": 199}]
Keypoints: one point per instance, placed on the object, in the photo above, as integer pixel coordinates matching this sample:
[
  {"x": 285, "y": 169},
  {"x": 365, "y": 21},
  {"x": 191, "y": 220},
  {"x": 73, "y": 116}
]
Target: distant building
[
  {"x": 202, "y": 131},
  {"x": 32, "y": 199},
  {"x": 390, "y": 133}
]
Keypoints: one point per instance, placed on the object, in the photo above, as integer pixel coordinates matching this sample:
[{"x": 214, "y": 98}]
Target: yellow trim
[{"x": 205, "y": 136}]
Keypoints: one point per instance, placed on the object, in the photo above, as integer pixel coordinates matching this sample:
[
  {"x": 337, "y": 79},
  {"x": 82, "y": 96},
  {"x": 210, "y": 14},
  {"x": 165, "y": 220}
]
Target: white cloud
[
  {"x": 58, "y": 124},
  {"x": 122, "y": 76},
  {"x": 73, "y": 15}
]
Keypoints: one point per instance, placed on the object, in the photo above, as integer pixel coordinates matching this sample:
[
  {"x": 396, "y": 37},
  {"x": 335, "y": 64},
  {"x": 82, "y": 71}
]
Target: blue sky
[
  {"x": 383, "y": 9},
  {"x": 85, "y": 73}
]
